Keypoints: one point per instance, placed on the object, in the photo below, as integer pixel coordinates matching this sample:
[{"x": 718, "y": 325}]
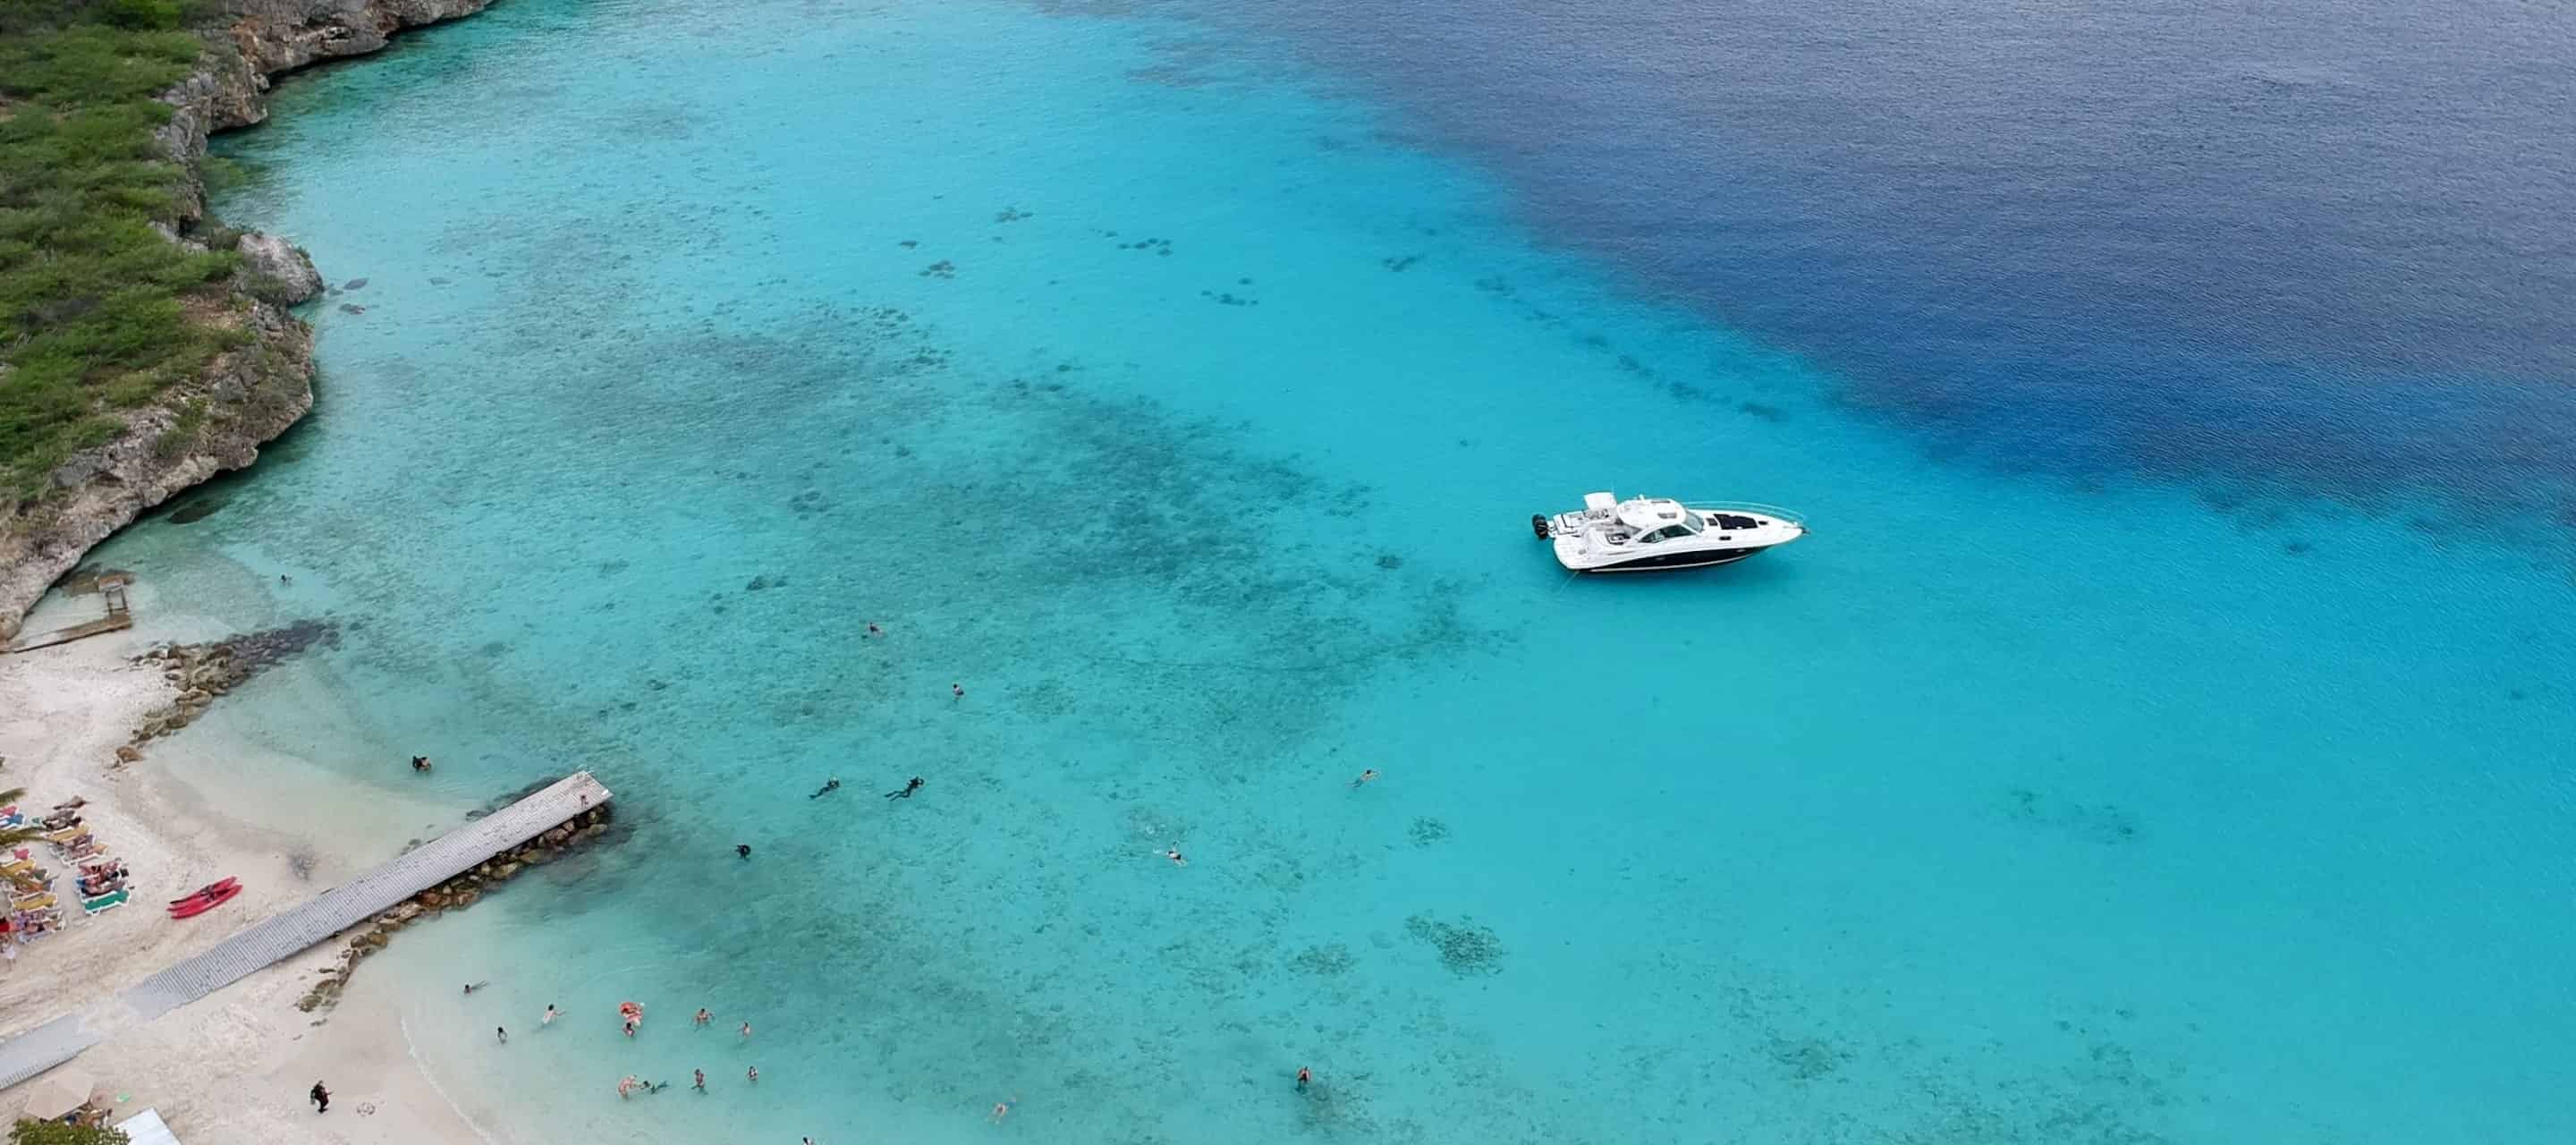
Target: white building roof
[{"x": 145, "y": 1128}]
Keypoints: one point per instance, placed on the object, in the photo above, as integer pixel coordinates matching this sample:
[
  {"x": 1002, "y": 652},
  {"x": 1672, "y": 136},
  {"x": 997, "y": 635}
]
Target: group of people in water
[
  {"x": 834, "y": 784},
  {"x": 631, "y": 1014}
]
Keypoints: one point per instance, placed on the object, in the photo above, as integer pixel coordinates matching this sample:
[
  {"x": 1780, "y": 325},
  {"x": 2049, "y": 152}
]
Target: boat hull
[{"x": 1671, "y": 562}]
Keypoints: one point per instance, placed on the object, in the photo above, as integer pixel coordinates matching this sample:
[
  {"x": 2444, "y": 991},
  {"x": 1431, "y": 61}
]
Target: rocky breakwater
[
  {"x": 263, "y": 382},
  {"x": 457, "y": 893},
  {"x": 201, "y": 672}
]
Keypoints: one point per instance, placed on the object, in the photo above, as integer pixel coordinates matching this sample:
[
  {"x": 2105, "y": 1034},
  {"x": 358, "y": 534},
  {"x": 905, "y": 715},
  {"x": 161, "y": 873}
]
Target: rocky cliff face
[
  {"x": 282, "y": 35},
  {"x": 252, "y": 393}
]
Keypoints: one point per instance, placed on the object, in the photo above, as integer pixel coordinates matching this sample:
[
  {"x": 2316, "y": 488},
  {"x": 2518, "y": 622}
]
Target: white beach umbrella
[{"x": 58, "y": 1093}]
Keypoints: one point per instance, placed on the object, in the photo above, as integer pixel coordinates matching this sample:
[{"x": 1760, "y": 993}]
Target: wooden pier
[
  {"x": 296, "y": 929},
  {"x": 119, "y": 618}
]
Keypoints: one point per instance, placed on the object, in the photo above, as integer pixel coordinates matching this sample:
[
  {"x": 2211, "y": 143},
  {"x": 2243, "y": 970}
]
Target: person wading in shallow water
[{"x": 420, "y": 763}]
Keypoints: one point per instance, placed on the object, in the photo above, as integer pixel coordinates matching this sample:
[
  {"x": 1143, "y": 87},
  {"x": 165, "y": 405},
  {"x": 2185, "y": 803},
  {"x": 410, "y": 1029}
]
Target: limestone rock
[{"x": 282, "y": 262}]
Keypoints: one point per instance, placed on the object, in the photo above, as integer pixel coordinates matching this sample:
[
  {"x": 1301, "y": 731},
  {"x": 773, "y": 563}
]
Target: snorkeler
[
  {"x": 827, "y": 788},
  {"x": 907, "y": 791}
]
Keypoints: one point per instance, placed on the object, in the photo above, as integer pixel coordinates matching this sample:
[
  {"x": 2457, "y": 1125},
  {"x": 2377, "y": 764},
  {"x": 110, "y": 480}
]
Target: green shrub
[
  {"x": 91, "y": 319},
  {"x": 143, "y": 15},
  {"x": 182, "y": 433},
  {"x": 57, "y": 1133}
]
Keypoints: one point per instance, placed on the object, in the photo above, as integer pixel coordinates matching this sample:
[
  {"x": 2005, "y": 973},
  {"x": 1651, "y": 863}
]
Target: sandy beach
[{"x": 233, "y": 1067}]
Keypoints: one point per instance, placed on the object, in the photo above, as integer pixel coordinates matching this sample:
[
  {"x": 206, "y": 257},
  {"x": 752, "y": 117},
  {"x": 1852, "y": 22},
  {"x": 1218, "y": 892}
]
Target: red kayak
[
  {"x": 208, "y": 890},
  {"x": 201, "y": 903}
]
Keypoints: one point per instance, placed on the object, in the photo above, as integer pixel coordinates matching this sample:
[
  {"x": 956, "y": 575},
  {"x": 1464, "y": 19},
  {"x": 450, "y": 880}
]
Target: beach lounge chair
[
  {"x": 109, "y": 901},
  {"x": 34, "y": 902},
  {"x": 64, "y": 834}
]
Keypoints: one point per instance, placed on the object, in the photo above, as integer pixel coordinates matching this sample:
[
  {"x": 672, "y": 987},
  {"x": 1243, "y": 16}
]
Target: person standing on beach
[{"x": 320, "y": 1097}]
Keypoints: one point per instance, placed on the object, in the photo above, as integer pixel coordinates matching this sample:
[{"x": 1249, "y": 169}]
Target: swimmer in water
[
  {"x": 420, "y": 763},
  {"x": 551, "y": 1015},
  {"x": 957, "y": 690},
  {"x": 752, "y": 1074},
  {"x": 1002, "y": 1109},
  {"x": 630, "y": 1027},
  {"x": 907, "y": 791},
  {"x": 1303, "y": 1077},
  {"x": 742, "y": 849},
  {"x": 471, "y": 987},
  {"x": 746, "y": 1029},
  {"x": 1369, "y": 776},
  {"x": 704, "y": 1017},
  {"x": 502, "y": 1032},
  {"x": 1175, "y": 856},
  {"x": 827, "y": 788},
  {"x": 698, "y": 1080},
  {"x": 625, "y": 1086},
  {"x": 873, "y": 630}
]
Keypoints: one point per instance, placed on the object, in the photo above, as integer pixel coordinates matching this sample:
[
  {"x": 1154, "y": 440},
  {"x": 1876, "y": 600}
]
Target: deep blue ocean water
[{"x": 2162, "y": 738}]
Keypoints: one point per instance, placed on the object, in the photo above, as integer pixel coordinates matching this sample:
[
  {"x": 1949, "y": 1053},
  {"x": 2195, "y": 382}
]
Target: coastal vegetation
[
  {"x": 57, "y": 1133},
  {"x": 100, "y": 308}
]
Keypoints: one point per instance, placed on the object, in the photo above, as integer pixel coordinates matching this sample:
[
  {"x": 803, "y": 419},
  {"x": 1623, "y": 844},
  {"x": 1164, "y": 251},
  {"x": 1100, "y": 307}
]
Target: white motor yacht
[{"x": 1643, "y": 534}]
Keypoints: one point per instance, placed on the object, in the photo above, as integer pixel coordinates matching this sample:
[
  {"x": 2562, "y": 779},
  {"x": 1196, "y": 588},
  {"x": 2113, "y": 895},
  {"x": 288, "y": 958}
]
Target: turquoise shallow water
[{"x": 1154, "y": 390}]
